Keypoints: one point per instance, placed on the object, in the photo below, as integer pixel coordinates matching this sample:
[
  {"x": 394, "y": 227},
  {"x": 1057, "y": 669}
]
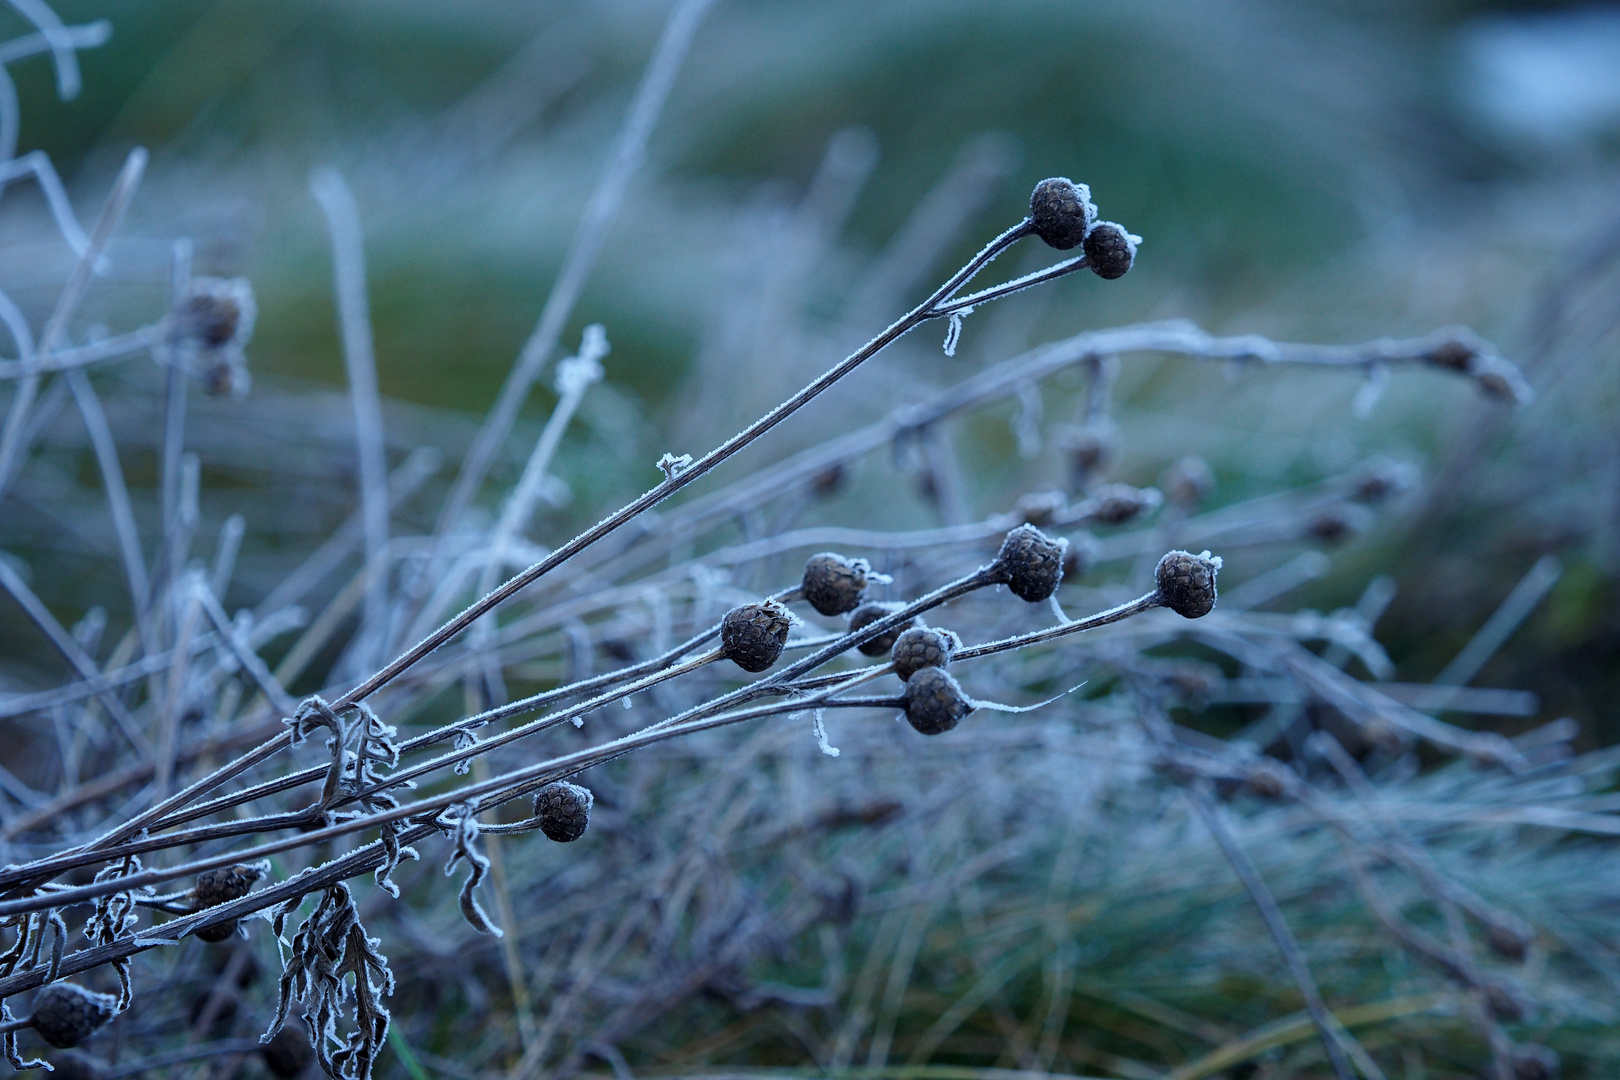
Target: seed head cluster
[
  {"x": 832, "y": 584},
  {"x": 935, "y": 702},
  {"x": 869, "y": 613},
  {"x": 1062, "y": 214},
  {"x": 66, "y": 1014},
  {"x": 1030, "y": 563},
  {"x": 923, "y": 646},
  {"x": 753, "y": 635},
  {"x": 1187, "y": 583},
  {"x": 564, "y": 811},
  {"x": 215, "y": 887}
]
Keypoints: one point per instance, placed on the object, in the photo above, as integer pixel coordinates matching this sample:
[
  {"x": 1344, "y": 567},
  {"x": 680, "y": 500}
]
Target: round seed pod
[
  {"x": 1381, "y": 479},
  {"x": 869, "y": 613},
  {"x": 66, "y": 1014},
  {"x": 832, "y": 584},
  {"x": 564, "y": 811},
  {"x": 935, "y": 702},
  {"x": 1039, "y": 508},
  {"x": 1090, "y": 450},
  {"x": 288, "y": 1053},
  {"x": 1061, "y": 212},
  {"x": 1266, "y": 782},
  {"x": 1030, "y": 563},
  {"x": 1110, "y": 250},
  {"x": 1337, "y": 521},
  {"x": 1118, "y": 503},
  {"x": 1188, "y": 481},
  {"x": 217, "y": 312},
  {"x": 1504, "y": 1004},
  {"x": 753, "y": 634},
  {"x": 1187, "y": 583},
  {"x": 923, "y": 646},
  {"x": 215, "y": 887},
  {"x": 1532, "y": 1061}
]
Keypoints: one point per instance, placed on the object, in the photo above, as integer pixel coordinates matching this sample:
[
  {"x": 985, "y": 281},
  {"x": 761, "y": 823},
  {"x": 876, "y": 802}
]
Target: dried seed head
[
  {"x": 935, "y": 702},
  {"x": 1337, "y": 521},
  {"x": 1115, "y": 504},
  {"x": 1455, "y": 355},
  {"x": 1040, "y": 507},
  {"x": 753, "y": 634},
  {"x": 1266, "y": 781},
  {"x": 288, "y": 1053},
  {"x": 216, "y": 312},
  {"x": 1187, "y": 583},
  {"x": 829, "y": 481},
  {"x": 867, "y": 614},
  {"x": 833, "y": 584},
  {"x": 1507, "y": 942},
  {"x": 1090, "y": 449},
  {"x": 1532, "y": 1061},
  {"x": 1030, "y": 563},
  {"x": 226, "y": 375},
  {"x": 65, "y": 1014},
  {"x": 1188, "y": 481},
  {"x": 923, "y": 646},
  {"x": 221, "y": 886},
  {"x": 564, "y": 811},
  {"x": 1110, "y": 250},
  {"x": 1061, "y": 212},
  {"x": 1381, "y": 479}
]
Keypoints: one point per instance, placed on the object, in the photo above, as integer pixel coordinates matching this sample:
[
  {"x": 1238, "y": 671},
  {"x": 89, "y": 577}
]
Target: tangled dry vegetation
[{"x": 1053, "y": 867}]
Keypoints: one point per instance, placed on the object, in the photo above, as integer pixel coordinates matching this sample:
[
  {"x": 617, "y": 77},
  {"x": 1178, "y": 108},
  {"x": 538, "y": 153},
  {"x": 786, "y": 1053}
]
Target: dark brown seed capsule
[
  {"x": 934, "y": 701},
  {"x": 66, "y": 1014},
  {"x": 1038, "y": 508},
  {"x": 288, "y": 1053},
  {"x": 1090, "y": 450},
  {"x": 753, "y": 634},
  {"x": 564, "y": 811},
  {"x": 1115, "y": 504},
  {"x": 216, "y": 312},
  {"x": 1110, "y": 250},
  {"x": 833, "y": 584},
  {"x": 1266, "y": 782},
  {"x": 221, "y": 886},
  {"x": 1188, "y": 481},
  {"x": 867, "y": 614},
  {"x": 1532, "y": 1061},
  {"x": 923, "y": 646},
  {"x": 1187, "y": 583},
  {"x": 1381, "y": 479},
  {"x": 1454, "y": 355},
  {"x": 1030, "y": 563},
  {"x": 1505, "y": 1005},
  {"x": 1061, "y": 212}
]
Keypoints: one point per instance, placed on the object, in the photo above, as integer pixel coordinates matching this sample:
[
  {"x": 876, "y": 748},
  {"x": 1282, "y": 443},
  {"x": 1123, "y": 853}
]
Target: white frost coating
[
  {"x": 672, "y": 466},
  {"x": 819, "y": 726},
  {"x": 953, "y": 332},
  {"x": 996, "y": 706},
  {"x": 578, "y": 372},
  {"x": 1370, "y": 391}
]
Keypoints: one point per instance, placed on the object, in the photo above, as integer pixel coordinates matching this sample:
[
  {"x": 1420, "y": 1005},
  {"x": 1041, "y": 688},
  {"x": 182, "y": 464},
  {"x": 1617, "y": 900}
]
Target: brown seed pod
[
  {"x": 1188, "y": 481},
  {"x": 1504, "y": 1003},
  {"x": 1337, "y": 521},
  {"x": 869, "y": 613},
  {"x": 1039, "y": 508},
  {"x": 923, "y": 646},
  {"x": 753, "y": 634},
  {"x": 1061, "y": 212},
  {"x": 288, "y": 1053},
  {"x": 832, "y": 584},
  {"x": 215, "y": 887},
  {"x": 1110, "y": 250},
  {"x": 1090, "y": 450},
  {"x": 216, "y": 312},
  {"x": 1381, "y": 479},
  {"x": 1030, "y": 563},
  {"x": 1187, "y": 583},
  {"x": 935, "y": 702},
  {"x": 66, "y": 1014},
  {"x": 1115, "y": 504},
  {"x": 564, "y": 811}
]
